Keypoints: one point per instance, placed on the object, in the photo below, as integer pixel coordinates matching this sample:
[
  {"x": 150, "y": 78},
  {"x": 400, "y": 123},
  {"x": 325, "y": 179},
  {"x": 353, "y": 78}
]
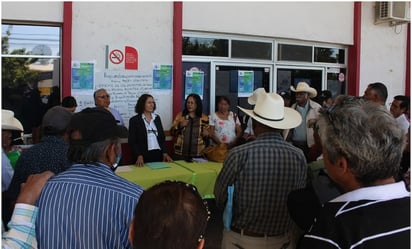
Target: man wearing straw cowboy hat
[
  {"x": 8, "y": 124},
  {"x": 263, "y": 172},
  {"x": 302, "y": 135}
]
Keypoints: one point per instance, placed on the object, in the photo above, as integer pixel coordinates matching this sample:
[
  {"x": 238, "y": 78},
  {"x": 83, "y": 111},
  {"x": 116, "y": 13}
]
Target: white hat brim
[
  {"x": 311, "y": 91},
  {"x": 291, "y": 119},
  {"x": 15, "y": 125}
]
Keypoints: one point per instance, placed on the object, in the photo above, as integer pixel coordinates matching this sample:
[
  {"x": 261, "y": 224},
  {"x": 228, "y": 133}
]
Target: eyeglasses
[
  {"x": 330, "y": 111},
  {"x": 152, "y": 131},
  {"x": 104, "y": 96}
]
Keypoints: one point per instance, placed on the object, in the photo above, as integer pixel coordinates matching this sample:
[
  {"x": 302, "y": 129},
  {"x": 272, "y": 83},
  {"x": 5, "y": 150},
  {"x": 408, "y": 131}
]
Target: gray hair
[
  {"x": 79, "y": 152},
  {"x": 97, "y": 91},
  {"x": 366, "y": 135}
]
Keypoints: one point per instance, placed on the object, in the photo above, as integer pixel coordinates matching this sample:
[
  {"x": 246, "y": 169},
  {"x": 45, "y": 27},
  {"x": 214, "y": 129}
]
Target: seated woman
[
  {"x": 169, "y": 215},
  {"x": 190, "y": 127},
  {"x": 224, "y": 124},
  {"x": 146, "y": 135}
]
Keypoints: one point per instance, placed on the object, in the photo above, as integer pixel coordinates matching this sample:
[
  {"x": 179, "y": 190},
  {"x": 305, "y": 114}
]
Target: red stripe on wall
[
  {"x": 67, "y": 49},
  {"x": 177, "y": 57},
  {"x": 408, "y": 62},
  {"x": 354, "y": 52}
]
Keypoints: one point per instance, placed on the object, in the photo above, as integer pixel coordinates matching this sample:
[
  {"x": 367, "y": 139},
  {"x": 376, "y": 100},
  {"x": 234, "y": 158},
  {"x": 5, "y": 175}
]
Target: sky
[{"x": 26, "y": 36}]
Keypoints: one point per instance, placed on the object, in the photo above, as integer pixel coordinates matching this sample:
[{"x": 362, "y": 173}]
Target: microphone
[{"x": 187, "y": 117}]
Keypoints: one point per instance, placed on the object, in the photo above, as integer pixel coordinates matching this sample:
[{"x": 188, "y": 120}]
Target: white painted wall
[
  {"x": 32, "y": 11},
  {"x": 312, "y": 21},
  {"x": 147, "y": 26},
  {"x": 383, "y": 53}
]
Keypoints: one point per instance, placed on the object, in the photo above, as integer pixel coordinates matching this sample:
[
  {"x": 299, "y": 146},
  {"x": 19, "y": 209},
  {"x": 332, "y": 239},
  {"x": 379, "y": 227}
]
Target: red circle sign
[
  {"x": 341, "y": 77},
  {"x": 116, "y": 56}
]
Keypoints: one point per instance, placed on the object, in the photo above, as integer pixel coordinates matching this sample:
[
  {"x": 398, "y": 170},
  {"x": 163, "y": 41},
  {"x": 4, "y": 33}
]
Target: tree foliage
[{"x": 15, "y": 72}]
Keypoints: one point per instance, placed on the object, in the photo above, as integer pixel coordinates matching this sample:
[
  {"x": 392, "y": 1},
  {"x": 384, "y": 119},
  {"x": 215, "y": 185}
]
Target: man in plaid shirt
[{"x": 263, "y": 173}]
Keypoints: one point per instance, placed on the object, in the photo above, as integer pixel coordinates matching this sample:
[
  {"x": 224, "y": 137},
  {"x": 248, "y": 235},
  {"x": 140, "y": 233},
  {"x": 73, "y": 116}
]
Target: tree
[{"x": 15, "y": 71}]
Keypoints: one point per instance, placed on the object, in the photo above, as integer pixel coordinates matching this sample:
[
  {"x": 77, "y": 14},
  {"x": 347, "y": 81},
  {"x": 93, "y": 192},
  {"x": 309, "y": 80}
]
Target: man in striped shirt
[
  {"x": 362, "y": 148},
  {"x": 88, "y": 206}
]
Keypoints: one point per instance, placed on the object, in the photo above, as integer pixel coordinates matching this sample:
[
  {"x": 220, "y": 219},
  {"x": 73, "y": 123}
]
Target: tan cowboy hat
[
  {"x": 270, "y": 111},
  {"x": 9, "y": 122},
  {"x": 304, "y": 87}
]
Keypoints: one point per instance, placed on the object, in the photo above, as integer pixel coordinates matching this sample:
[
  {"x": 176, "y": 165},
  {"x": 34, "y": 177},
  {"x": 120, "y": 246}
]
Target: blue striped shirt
[
  {"x": 263, "y": 172},
  {"x": 87, "y": 206}
]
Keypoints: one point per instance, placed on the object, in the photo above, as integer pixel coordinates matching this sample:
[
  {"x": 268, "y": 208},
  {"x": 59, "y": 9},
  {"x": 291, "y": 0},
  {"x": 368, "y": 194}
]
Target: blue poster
[
  {"x": 162, "y": 77},
  {"x": 82, "y": 75},
  {"x": 194, "y": 82},
  {"x": 246, "y": 80}
]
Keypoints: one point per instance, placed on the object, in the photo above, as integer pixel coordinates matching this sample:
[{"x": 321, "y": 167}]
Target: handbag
[
  {"x": 227, "y": 213},
  {"x": 216, "y": 153}
]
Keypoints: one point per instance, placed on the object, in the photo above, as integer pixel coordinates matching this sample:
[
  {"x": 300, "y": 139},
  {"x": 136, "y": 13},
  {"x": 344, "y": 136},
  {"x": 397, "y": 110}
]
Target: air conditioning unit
[{"x": 393, "y": 13}]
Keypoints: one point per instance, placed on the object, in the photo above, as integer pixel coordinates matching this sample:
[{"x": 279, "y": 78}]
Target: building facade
[{"x": 214, "y": 46}]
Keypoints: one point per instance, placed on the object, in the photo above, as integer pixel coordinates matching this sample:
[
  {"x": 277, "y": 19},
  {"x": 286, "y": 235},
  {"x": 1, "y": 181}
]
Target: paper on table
[
  {"x": 157, "y": 165},
  {"x": 123, "y": 169},
  {"x": 200, "y": 160}
]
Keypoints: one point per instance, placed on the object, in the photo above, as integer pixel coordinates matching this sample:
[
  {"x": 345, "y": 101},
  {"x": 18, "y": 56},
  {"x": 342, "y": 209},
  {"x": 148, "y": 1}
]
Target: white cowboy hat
[
  {"x": 270, "y": 111},
  {"x": 253, "y": 98},
  {"x": 9, "y": 122},
  {"x": 304, "y": 87}
]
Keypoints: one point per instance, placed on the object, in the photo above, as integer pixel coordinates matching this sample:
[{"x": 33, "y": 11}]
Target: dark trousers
[{"x": 153, "y": 156}]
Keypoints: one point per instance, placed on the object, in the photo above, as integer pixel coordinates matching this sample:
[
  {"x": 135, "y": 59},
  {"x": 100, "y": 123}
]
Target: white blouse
[{"x": 225, "y": 130}]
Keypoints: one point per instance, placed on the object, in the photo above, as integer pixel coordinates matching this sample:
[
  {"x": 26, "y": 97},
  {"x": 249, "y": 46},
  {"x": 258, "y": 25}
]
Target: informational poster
[
  {"x": 162, "y": 78},
  {"x": 82, "y": 76},
  {"x": 245, "y": 82},
  {"x": 194, "y": 83}
]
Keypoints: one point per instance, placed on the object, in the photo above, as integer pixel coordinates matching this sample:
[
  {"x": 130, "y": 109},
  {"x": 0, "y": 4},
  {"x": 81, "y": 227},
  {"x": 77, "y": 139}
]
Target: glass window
[
  {"x": 251, "y": 50},
  {"x": 336, "y": 82},
  {"x": 30, "y": 72},
  {"x": 330, "y": 55},
  {"x": 205, "y": 46},
  {"x": 289, "y": 52}
]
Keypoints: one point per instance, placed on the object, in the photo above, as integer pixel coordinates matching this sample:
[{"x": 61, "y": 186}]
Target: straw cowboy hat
[
  {"x": 253, "y": 98},
  {"x": 304, "y": 87},
  {"x": 269, "y": 110},
  {"x": 9, "y": 122}
]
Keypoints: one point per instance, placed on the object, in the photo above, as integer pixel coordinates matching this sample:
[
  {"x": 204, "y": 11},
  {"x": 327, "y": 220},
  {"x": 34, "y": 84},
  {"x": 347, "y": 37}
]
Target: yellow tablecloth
[
  {"x": 147, "y": 177},
  {"x": 201, "y": 174},
  {"x": 204, "y": 175}
]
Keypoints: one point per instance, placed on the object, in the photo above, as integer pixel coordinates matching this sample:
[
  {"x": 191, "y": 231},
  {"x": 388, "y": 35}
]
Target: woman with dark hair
[
  {"x": 169, "y": 215},
  {"x": 224, "y": 124},
  {"x": 191, "y": 127},
  {"x": 146, "y": 135}
]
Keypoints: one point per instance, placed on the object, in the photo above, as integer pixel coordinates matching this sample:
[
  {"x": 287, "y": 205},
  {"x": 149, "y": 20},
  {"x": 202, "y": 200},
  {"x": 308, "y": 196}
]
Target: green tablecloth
[
  {"x": 201, "y": 174},
  {"x": 147, "y": 177},
  {"x": 204, "y": 175}
]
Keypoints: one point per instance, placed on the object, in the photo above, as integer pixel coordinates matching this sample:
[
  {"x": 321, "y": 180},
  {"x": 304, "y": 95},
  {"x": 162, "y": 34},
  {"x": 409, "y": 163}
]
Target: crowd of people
[{"x": 322, "y": 172}]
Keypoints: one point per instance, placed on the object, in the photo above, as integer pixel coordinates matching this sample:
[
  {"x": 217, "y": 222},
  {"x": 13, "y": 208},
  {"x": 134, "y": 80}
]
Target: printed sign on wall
[{"x": 122, "y": 58}]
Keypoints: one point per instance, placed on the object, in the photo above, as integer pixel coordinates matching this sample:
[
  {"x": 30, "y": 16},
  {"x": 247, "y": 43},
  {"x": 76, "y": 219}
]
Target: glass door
[
  {"x": 291, "y": 76},
  {"x": 227, "y": 83}
]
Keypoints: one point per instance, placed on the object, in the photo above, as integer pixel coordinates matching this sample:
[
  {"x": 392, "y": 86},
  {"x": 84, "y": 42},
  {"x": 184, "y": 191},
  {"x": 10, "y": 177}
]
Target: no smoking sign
[{"x": 116, "y": 56}]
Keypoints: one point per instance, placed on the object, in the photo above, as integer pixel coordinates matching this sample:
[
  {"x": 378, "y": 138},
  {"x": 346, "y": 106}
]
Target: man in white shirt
[
  {"x": 102, "y": 99},
  {"x": 399, "y": 106}
]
